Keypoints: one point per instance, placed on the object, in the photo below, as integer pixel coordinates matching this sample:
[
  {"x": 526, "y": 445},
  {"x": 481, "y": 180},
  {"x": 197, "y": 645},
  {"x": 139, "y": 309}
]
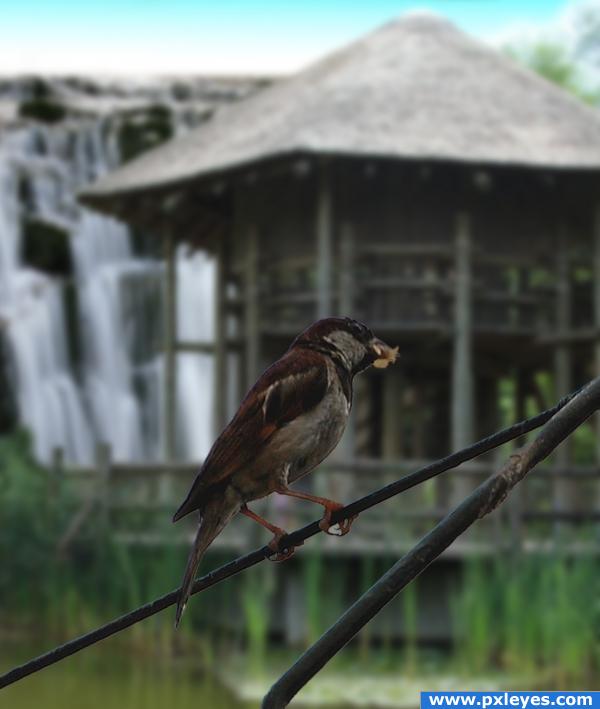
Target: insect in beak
[{"x": 385, "y": 354}]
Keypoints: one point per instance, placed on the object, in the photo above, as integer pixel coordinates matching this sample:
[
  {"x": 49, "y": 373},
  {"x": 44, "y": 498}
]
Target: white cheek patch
[{"x": 349, "y": 348}]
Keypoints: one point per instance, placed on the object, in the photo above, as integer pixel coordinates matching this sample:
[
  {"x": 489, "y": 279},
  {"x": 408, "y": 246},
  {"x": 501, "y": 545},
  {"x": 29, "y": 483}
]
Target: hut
[{"x": 416, "y": 180}]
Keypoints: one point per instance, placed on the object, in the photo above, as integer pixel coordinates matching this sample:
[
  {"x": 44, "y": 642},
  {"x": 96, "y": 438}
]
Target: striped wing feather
[{"x": 292, "y": 386}]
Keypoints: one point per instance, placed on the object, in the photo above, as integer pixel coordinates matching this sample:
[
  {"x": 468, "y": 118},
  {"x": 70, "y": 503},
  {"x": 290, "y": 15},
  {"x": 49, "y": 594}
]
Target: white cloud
[{"x": 560, "y": 28}]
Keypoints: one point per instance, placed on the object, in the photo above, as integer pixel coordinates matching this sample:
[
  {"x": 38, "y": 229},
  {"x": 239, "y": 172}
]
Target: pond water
[
  {"x": 108, "y": 676},
  {"x": 104, "y": 678}
]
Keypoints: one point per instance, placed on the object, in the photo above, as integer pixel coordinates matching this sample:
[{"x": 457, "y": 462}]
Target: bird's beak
[{"x": 384, "y": 354}]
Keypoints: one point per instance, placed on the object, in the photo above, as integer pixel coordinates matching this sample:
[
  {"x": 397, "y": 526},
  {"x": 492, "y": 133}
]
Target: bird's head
[{"x": 349, "y": 342}]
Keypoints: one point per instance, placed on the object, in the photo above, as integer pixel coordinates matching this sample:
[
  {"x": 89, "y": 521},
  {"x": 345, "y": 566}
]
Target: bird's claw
[
  {"x": 342, "y": 527},
  {"x": 283, "y": 554}
]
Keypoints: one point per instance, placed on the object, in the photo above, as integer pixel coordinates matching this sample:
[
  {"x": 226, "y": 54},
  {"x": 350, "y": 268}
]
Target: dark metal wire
[
  {"x": 480, "y": 502},
  {"x": 291, "y": 540}
]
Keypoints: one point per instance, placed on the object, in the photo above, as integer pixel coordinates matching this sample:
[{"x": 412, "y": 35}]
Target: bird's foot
[
  {"x": 339, "y": 529},
  {"x": 283, "y": 554}
]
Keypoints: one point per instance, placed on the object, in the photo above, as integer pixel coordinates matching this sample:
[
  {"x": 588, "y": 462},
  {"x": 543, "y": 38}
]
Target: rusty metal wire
[{"x": 293, "y": 539}]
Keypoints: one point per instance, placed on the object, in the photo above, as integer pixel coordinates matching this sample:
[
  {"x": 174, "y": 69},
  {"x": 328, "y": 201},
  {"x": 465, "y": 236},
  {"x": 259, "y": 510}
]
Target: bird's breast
[
  {"x": 298, "y": 446},
  {"x": 313, "y": 436}
]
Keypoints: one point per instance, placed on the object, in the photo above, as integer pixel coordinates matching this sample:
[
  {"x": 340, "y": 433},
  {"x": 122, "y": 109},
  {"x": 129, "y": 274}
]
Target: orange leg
[
  {"x": 278, "y": 533},
  {"x": 330, "y": 507}
]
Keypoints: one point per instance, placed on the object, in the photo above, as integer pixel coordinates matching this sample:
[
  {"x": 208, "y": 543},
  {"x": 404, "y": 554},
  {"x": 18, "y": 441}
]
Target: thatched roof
[{"x": 416, "y": 88}]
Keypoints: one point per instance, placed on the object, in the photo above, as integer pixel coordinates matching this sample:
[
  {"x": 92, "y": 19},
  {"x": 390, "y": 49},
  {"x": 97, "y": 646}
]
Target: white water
[
  {"x": 115, "y": 395},
  {"x": 31, "y": 311}
]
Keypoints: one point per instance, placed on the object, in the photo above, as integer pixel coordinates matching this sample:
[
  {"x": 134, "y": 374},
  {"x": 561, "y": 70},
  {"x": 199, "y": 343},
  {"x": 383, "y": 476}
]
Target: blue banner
[{"x": 512, "y": 700}]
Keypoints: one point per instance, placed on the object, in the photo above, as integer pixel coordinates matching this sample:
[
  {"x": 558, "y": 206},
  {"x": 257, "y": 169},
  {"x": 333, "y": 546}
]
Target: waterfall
[
  {"x": 31, "y": 311},
  {"x": 109, "y": 387}
]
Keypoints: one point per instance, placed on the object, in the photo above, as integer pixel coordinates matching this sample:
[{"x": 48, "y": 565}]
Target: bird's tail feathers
[{"x": 212, "y": 523}]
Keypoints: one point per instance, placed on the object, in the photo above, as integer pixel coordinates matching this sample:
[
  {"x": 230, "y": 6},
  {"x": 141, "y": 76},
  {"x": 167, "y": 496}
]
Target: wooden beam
[
  {"x": 515, "y": 506},
  {"x": 252, "y": 319},
  {"x": 194, "y": 347},
  {"x": 393, "y": 414},
  {"x": 596, "y": 277},
  {"x": 170, "y": 336},
  {"x": 102, "y": 456},
  {"x": 347, "y": 446},
  {"x": 562, "y": 359},
  {"x": 462, "y": 365},
  {"x": 220, "y": 391},
  {"x": 562, "y": 356},
  {"x": 324, "y": 228},
  {"x": 347, "y": 286}
]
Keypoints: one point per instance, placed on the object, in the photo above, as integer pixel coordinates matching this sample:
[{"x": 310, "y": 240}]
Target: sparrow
[{"x": 288, "y": 423}]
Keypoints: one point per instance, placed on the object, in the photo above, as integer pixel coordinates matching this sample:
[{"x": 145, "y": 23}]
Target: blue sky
[{"x": 233, "y": 36}]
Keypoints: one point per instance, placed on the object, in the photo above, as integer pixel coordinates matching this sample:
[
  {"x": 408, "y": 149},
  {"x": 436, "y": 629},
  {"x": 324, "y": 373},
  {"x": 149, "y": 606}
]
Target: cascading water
[
  {"x": 112, "y": 390},
  {"x": 48, "y": 399}
]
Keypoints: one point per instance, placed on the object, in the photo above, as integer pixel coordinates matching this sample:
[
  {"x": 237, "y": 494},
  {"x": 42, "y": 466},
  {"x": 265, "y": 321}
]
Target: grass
[
  {"x": 533, "y": 616},
  {"x": 257, "y": 596}
]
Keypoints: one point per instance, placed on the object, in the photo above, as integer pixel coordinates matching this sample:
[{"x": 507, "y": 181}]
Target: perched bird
[{"x": 290, "y": 420}]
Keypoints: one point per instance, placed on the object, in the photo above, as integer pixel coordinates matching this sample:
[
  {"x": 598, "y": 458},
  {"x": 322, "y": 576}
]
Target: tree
[
  {"x": 574, "y": 67},
  {"x": 587, "y": 46},
  {"x": 554, "y": 62}
]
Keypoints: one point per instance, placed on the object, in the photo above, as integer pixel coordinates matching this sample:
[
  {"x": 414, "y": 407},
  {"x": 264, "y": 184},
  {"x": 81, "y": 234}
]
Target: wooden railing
[
  {"x": 411, "y": 287},
  {"x": 138, "y": 500}
]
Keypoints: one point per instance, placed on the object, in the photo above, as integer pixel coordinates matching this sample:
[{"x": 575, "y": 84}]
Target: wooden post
[
  {"x": 562, "y": 361},
  {"x": 103, "y": 468},
  {"x": 252, "y": 320},
  {"x": 462, "y": 368},
  {"x": 347, "y": 286},
  {"x": 324, "y": 227},
  {"x": 58, "y": 467},
  {"x": 596, "y": 275},
  {"x": 393, "y": 414},
  {"x": 55, "y": 483},
  {"x": 170, "y": 381},
  {"x": 220, "y": 391},
  {"x": 346, "y": 448},
  {"x": 515, "y": 504},
  {"x": 462, "y": 363}
]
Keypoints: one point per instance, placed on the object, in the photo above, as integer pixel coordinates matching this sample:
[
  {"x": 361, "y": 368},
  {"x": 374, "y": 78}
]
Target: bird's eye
[{"x": 358, "y": 330}]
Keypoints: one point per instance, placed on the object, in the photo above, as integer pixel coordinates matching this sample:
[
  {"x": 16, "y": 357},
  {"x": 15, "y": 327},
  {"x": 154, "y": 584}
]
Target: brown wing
[{"x": 292, "y": 386}]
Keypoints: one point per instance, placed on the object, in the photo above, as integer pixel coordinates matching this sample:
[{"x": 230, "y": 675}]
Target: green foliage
[
  {"x": 534, "y": 616},
  {"x": 67, "y": 593},
  {"x": 42, "y": 110},
  {"x": 553, "y": 62},
  {"x": 556, "y": 63},
  {"x": 368, "y": 576},
  {"x": 25, "y": 511},
  {"x": 144, "y": 131},
  {"x": 313, "y": 577},
  {"x": 8, "y": 404},
  {"x": 474, "y": 620},
  {"x": 46, "y": 247},
  {"x": 41, "y": 104},
  {"x": 256, "y": 602},
  {"x": 410, "y": 611}
]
